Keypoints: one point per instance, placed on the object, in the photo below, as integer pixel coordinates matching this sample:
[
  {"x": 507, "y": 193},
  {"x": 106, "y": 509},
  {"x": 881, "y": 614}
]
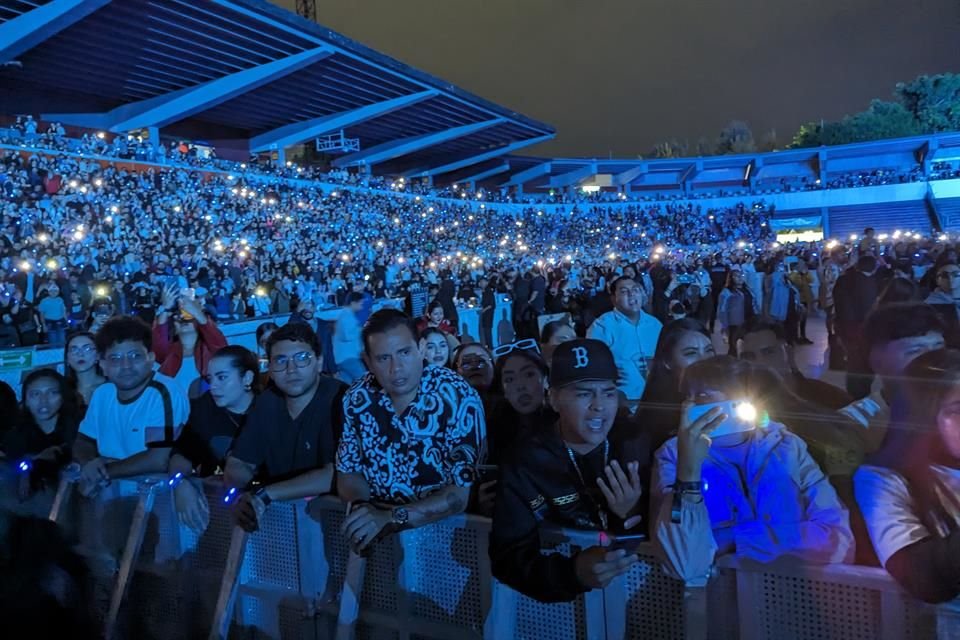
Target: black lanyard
[{"x": 585, "y": 490}]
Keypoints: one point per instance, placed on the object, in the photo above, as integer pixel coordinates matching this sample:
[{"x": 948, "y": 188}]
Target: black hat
[{"x": 580, "y": 360}]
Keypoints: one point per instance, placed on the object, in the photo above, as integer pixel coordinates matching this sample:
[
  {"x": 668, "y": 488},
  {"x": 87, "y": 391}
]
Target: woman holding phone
[{"x": 732, "y": 481}]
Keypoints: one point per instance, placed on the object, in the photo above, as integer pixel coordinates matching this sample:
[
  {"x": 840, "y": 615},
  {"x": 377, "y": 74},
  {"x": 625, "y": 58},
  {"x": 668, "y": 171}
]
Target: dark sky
[{"x": 619, "y": 76}]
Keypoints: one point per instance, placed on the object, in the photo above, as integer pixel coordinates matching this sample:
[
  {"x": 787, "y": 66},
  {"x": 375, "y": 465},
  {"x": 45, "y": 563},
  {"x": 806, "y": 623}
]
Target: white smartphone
[{"x": 741, "y": 416}]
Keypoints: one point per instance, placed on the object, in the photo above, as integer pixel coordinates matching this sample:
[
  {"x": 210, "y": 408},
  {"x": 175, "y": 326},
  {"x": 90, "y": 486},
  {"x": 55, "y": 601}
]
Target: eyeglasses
[
  {"x": 474, "y": 363},
  {"x": 133, "y": 357},
  {"x": 521, "y": 345},
  {"x": 85, "y": 350},
  {"x": 300, "y": 360}
]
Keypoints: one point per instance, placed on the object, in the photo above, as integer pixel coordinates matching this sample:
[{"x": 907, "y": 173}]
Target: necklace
[{"x": 601, "y": 512}]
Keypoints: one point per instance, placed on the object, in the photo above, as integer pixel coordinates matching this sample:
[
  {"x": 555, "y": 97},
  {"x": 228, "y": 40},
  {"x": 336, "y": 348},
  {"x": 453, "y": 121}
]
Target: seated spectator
[
  {"x": 631, "y": 334},
  {"x": 908, "y": 490},
  {"x": 83, "y": 370},
  {"x": 435, "y": 347},
  {"x": 682, "y": 342},
  {"x": 216, "y": 419},
  {"x": 185, "y": 355},
  {"x": 585, "y": 472},
  {"x": 553, "y": 334},
  {"x": 347, "y": 346},
  {"x": 893, "y": 337},
  {"x": 412, "y": 438},
  {"x": 702, "y": 508},
  {"x": 46, "y": 429},
  {"x": 134, "y": 418},
  {"x": 289, "y": 440},
  {"x": 435, "y": 319}
]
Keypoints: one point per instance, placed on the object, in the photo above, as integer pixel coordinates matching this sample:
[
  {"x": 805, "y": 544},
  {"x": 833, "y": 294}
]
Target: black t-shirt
[
  {"x": 505, "y": 426},
  {"x": 539, "y": 285},
  {"x": 209, "y": 434},
  {"x": 26, "y": 439},
  {"x": 282, "y": 447}
]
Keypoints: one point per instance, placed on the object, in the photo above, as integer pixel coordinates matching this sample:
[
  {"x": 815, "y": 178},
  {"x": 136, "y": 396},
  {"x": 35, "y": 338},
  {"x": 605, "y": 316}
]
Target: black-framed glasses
[
  {"x": 528, "y": 344},
  {"x": 478, "y": 362},
  {"x": 300, "y": 360}
]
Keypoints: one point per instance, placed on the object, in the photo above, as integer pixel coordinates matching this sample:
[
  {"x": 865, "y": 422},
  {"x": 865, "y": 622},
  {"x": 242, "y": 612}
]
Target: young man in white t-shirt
[{"x": 132, "y": 419}]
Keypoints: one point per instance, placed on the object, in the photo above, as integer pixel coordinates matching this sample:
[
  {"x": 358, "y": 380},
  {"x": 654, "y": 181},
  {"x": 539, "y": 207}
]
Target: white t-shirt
[
  {"x": 120, "y": 428},
  {"x": 633, "y": 346},
  {"x": 188, "y": 372}
]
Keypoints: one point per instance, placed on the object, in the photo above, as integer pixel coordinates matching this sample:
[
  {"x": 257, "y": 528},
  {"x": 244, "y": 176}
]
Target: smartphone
[
  {"x": 741, "y": 416},
  {"x": 629, "y": 542}
]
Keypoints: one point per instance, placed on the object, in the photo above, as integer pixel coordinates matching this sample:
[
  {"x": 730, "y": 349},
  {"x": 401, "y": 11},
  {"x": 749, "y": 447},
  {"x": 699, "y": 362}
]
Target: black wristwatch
[
  {"x": 264, "y": 496},
  {"x": 400, "y": 516}
]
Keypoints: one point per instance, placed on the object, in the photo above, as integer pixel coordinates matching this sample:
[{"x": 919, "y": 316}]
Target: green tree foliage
[
  {"x": 929, "y": 104},
  {"x": 933, "y": 100}
]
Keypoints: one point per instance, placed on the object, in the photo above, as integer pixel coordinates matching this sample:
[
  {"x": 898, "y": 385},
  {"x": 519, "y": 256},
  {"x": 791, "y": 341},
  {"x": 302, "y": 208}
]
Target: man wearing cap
[
  {"x": 583, "y": 472},
  {"x": 631, "y": 335}
]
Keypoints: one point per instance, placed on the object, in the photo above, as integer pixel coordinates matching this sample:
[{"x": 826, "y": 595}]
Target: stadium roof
[
  {"x": 540, "y": 174},
  {"x": 247, "y": 70}
]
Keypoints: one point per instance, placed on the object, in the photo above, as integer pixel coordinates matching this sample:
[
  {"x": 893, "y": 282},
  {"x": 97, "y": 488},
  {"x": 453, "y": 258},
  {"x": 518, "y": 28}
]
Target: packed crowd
[
  {"x": 616, "y": 414},
  {"x": 84, "y": 236}
]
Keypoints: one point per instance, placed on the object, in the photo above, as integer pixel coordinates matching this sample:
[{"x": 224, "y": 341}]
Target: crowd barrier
[{"x": 296, "y": 578}]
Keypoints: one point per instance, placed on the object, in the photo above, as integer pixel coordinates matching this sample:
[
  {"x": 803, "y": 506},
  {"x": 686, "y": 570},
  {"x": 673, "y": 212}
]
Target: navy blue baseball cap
[{"x": 580, "y": 360}]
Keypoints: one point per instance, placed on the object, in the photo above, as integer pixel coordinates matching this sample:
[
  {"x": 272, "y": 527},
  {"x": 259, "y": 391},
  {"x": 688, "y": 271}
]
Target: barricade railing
[{"x": 296, "y": 578}]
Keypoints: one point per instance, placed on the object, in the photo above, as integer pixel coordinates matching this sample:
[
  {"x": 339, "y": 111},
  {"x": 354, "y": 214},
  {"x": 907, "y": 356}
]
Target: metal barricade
[{"x": 295, "y": 578}]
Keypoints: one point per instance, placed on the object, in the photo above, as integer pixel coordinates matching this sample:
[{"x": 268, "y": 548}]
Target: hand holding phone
[{"x": 741, "y": 417}]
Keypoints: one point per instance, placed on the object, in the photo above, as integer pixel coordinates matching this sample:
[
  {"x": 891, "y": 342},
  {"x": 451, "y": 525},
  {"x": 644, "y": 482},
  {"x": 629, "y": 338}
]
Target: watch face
[{"x": 400, "y": 515}]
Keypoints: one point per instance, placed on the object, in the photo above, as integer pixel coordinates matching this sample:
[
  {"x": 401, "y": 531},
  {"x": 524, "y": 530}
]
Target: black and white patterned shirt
[{"x": 437, "y": 441}]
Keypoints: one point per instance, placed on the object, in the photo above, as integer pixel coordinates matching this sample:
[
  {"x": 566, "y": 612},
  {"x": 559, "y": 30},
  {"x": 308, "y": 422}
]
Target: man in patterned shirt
[{"x": 412, "y": 437}]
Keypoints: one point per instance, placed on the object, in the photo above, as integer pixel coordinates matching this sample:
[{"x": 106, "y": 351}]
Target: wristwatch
[
  {"x": 264, "y": 496},
  {"x": 400, "y": 515}
]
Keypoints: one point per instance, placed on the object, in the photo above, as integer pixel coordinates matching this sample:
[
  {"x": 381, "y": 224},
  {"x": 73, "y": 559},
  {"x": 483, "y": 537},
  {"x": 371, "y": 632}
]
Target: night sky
[{"x": 619, "y": 76}]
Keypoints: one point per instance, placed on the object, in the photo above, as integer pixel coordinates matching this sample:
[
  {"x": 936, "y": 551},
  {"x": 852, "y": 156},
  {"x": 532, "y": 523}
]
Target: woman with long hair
[
  {"x": 736, "y": 307},
  {"x": 47, "y": 426},
  {"x": 216, "y": 418},
  {"x": 909, "y": 490},
  {"x": 681, "y": 343},
  {"x": 184, "y": 340},
  {"x": 83, "y": 365}
]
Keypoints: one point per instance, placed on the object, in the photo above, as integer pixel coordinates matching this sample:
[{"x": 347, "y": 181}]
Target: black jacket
[{"x": 538, "y": 484}]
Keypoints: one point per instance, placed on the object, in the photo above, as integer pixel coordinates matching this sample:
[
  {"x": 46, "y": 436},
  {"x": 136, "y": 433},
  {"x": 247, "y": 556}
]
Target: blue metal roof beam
[
  {"x": 172, "y": 107},
  {"x": 397, "y": 148},
  {"x": 574, "y": 177},
  {"x": 477, "y": 159},
  {"x": 27, "y": 30},
  {"x": 518, "y": 179},
  {"x": 629, "y": 175},
  {"x": 292, "y": 134},
  {"x": 483, "y": 175}
]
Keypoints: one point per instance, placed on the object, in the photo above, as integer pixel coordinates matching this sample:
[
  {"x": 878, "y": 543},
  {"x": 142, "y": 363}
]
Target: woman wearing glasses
[
  {"x": 216, "y": 419},
  {"x": 83, "y": 366}
]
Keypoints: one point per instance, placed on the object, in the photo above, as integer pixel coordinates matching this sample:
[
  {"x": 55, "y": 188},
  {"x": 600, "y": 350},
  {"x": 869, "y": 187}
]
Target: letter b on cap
[{"x": 580, "y": 357}]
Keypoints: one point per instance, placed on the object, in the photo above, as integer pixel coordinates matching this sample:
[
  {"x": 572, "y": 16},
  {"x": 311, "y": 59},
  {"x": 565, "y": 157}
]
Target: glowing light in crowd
[
  {"x": 101, "y": 135},
  {"x": 101, "y": 291},
  {"x": 78, "y": 235},
  {"x": 832, "y": 244},
  {"x": 261, "y": 292},
  {"x": 114, "y": 209},
  {"x": 243, "y": 254},
  {"x": 345, "y": 257},
  {"x": 43, "y": 237},
  {"x": 853, "y": 237},
  {"x": 73, "y": 184},
  {"x": 108, "y": 219},
  {"x": 51, "y": 264},
  {"x": 98, "y": 182},
  {"x": 25, "y": 265}
]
